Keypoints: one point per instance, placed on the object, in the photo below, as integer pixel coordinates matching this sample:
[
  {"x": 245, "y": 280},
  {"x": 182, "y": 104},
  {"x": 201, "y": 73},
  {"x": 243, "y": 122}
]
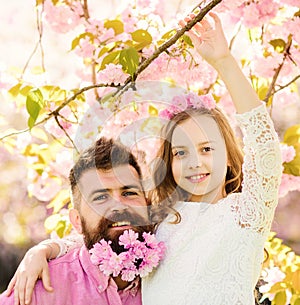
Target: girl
[{"x": 214, "y": 225}]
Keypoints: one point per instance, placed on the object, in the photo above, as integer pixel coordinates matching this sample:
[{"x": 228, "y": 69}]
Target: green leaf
[
  {"x": 166, "y": 36},
  {"x": 61, "y": 228},
  {"x": 142, "y": 37},
  {"x": 278, "y": 45},
  {"x": 296, "y": 280},
  {"x": 112, "y": 57},
  {"x": 108, "y": 48},
  {"x": 292, "y": 135},
  {"x": 15, "y": 90},
  {"x": 188, "y": 40},
  {"x": 169, "y": 34},
  {"x": 292, "y": 138},
  {"x": 129, "y": 59},
  {"x": 76, "y": 40},
  {"x": 34, "y": 103},
  {"x": 51, "y": 222},
  {"x": 262, "y": 93},
  {"x": 116, "y": 25},
  {"x": 60, "y": 200},
  {"x": 152, "y": 110},
  {"x": 39, "y": 2},
  {"x": 280, "y": 298},
  {"x": 297, "y": 301}
]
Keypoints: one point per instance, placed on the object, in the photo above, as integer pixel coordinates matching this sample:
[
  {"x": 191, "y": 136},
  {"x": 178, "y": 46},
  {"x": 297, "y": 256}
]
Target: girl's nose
[{"x": 195, "y": 162}]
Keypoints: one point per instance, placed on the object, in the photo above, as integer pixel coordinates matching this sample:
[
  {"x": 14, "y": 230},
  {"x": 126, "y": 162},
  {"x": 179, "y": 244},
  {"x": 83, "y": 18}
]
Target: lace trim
[{"x": 262, "y": 170}]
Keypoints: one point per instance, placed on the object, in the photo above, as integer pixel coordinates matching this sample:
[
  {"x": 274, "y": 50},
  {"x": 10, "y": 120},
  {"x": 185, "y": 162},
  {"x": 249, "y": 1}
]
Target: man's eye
[
  {"x": 130, "y": 193},
  {"x": 100, "y": 197}
]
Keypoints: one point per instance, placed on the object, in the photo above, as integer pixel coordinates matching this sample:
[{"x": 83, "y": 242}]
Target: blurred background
[{"x": 22, "y": 216}]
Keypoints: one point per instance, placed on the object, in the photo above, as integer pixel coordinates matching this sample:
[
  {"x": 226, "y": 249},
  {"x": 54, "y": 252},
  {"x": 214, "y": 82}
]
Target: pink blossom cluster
[
  {"x": 288, "y": 153},
  {"x": 63, "y": 18},
  {"x": 112, "y": 74},
  {"x": 183, "y": 102},
  {"x": 289, "y": 183},
  {"x": 138, "y": 259}
]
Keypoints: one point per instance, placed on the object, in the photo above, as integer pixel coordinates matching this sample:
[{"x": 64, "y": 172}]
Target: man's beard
[{"x": 102, "y": 230}]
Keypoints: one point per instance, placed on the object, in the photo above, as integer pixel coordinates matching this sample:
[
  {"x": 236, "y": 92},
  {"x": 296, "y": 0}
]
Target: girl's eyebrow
[
  {"x": 199, "y": 144},
  {"x": 173, "y": 147}
]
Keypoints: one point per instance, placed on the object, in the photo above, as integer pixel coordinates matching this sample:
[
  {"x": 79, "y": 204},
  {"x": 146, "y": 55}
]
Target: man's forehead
[{"x": 116, "y": 178}]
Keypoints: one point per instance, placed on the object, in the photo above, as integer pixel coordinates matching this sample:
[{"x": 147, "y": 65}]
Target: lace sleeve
[
  {"x": 262, "y": 171},
  {"x": 67, "y": 243}
]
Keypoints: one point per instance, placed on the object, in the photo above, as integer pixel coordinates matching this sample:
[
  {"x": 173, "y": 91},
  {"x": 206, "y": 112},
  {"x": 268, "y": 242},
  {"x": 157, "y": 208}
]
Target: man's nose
[{"x": 118, "y": 204}]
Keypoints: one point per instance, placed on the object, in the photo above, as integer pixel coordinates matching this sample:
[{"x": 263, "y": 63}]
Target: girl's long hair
[{"x": 166, "y": 192}]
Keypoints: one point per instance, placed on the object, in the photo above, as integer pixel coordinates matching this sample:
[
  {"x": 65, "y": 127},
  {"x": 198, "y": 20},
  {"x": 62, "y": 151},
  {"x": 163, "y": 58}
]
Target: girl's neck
[{"x": 212, "y": 197}]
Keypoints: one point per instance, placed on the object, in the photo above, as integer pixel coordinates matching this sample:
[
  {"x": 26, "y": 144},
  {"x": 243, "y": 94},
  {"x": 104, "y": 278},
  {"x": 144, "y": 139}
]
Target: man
[{"x": 108, "y": 198}]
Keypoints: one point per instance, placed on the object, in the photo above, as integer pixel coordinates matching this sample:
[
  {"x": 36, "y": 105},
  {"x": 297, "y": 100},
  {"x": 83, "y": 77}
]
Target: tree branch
[
  {"x": 129, "y": 82},
  {"x": 65, "y": 132},
  {"x": 277, "y": 71}
]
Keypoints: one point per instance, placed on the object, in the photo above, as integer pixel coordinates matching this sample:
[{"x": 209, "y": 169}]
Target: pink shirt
[{"x": 76, "y": 281}]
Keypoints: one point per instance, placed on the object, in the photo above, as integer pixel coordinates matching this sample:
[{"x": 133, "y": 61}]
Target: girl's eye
[
  {"x": 207, "y": 149},
  {"x": 179, "y": 153}
]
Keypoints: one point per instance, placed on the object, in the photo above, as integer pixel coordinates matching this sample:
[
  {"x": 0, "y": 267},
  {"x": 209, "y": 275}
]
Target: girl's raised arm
[{"x": 210, "y": 42}]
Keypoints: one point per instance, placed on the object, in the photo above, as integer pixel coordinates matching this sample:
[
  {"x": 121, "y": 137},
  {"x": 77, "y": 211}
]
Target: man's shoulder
[
  {"x": 6, "y": 300},
  {"x": 69, "y": 258}
]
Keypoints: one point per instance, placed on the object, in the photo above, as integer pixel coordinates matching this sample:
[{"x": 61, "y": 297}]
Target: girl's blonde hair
[{"x": 166, "y": 192}]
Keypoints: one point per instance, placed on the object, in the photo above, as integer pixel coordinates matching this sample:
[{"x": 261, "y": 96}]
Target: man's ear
[{"x": 75, "y": 220}]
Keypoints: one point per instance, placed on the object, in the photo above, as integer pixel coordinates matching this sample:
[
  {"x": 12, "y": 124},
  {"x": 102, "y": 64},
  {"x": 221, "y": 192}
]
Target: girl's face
[{"x": 199, "y": 158}]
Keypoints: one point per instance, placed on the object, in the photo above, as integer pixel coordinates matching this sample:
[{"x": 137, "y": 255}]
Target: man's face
[{"x": 111, "y": 202}]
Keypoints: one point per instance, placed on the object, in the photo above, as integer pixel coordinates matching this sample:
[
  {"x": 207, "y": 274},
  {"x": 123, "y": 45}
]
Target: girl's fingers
[
  {"x": 181, "y": 23},
  {"x": 46, "y": 280},
  {"x": 21, "y": 290},
  {"x": 16, "y": 297},
  {"x": 11, "y": 286},
  {"x": 206, "y": 25},
  {"x": 194, "y": 37},
  {"x": 216, "y": 19},
  {"x": 199, "y": 28},
  {"x": 28, "y": 291}
]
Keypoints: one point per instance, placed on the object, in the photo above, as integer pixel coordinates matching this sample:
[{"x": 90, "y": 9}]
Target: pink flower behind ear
[
  {"x": 179, "y": 102},
  {"x": 185, "y": 101},
  {"x": 165, "y": 114},
  {"x": 208, "y": 101}
]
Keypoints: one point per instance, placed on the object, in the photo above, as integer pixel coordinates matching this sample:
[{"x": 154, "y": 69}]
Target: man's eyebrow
[
  {"x": 100, "y": 191},
  {"x": 125, "y": 187},
  {"x": 131, "y": 186}
]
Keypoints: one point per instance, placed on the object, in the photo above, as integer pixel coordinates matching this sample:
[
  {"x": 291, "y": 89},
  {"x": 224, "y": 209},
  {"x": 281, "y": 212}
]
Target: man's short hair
[{"x": 104, "y": 154}]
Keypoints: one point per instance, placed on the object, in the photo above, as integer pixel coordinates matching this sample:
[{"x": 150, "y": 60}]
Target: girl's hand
[
  {"x": 33, "y": 266},
  {"x": 209, "y": 39}
]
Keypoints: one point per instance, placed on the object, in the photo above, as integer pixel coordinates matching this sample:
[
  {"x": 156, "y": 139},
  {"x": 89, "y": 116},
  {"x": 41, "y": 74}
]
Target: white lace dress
[{"x": 214, "y": 254}]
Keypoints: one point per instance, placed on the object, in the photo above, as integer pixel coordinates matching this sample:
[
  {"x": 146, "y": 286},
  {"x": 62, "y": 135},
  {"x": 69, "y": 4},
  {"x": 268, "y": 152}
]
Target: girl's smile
[
  {"x": 199, "y": 163},
  {"x": 197, "y": 178}
]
